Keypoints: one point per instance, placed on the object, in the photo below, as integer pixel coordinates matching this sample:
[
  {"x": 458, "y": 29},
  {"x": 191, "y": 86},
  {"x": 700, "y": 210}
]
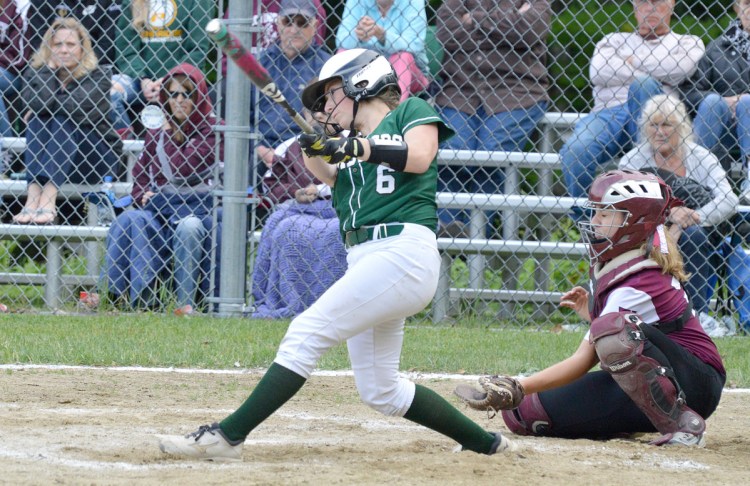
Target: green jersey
[{"x": 367, "y": 194}]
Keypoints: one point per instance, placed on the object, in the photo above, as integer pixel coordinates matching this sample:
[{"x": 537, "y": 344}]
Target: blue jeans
[
  {"x": 122, "y": 101},
  {"x": 719, "y": 131},
  {"x": 58, "y": 151},
  {"x": 699, "y": 249},
  {"x": 9, "y": 84},
  {"x": 603, "y": 135},
  {"x": 138, "y": 251},
  {"x": 191, "y": 244},
  {"x": 136, "y": 254},
  {"x": 506, "y": 131}
]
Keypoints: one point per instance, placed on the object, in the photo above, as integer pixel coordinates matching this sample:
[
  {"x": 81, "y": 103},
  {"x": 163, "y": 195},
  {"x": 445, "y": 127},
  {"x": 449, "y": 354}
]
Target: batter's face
[{"x": 338, "y": 106}]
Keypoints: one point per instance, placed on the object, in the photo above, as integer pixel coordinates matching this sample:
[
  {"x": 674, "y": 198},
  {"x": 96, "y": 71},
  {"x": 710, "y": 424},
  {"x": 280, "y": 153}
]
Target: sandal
[
  {"x": 44, "y": 216},
  {"x": 184, "y": 311},
  {"x": 89, "y": 300},
  {"x": 25, "y": 216}
]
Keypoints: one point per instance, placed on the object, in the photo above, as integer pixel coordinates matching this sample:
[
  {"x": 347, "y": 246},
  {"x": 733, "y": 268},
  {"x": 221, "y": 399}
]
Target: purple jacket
[
  {"x": 194, "y": 155},
  {"x": 14, "y": 50}
]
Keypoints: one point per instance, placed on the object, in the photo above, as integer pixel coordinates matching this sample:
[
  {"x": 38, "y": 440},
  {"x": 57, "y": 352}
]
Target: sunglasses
[
  {"x": 300, "y": 21},
  {"x": 177, "y": 94}
]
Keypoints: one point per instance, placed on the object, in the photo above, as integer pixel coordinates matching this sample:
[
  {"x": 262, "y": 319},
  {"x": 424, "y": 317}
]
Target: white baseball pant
[{"x": 387, "y": 280}]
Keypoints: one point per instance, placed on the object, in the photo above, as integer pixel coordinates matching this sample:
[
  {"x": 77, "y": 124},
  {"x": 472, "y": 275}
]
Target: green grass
[{"x": 204, "y": 342}]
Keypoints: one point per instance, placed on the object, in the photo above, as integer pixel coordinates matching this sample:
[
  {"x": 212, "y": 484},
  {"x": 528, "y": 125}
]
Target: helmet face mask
[
  {"x": 600, "y": 237},
  {"x": 644, "y": 201}
]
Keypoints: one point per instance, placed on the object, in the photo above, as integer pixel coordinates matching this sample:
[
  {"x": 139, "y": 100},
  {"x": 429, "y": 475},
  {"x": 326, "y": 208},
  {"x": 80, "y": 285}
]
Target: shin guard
[
  {"x": 529, "y": 418},
  {"x": 619, "y": 342}
]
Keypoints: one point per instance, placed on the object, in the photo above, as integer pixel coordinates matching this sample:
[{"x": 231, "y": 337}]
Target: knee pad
[
  {"x": 653, "y": 387},
  {"x": 529, "y": 418},
  {"x": 618, "y": 340}
]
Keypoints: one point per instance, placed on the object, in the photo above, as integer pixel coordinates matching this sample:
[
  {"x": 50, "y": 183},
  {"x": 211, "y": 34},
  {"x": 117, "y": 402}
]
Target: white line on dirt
[{"x": 250, "y": 371}]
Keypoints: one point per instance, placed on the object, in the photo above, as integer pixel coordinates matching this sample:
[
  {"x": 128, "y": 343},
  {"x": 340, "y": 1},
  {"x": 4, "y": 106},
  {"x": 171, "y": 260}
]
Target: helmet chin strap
[{"x": 355, "y": 109}]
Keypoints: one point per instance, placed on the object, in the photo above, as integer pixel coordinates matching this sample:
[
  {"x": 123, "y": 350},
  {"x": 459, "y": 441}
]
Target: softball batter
[{"x": 384, "y": 185}]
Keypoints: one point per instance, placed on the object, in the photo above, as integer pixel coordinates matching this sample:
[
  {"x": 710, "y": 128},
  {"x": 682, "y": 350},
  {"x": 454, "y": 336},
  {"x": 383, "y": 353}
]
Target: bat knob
[{"x": 214, "y": 27}]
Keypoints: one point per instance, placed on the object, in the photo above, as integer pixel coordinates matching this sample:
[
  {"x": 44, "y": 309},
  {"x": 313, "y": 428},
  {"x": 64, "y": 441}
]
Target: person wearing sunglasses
[
  {"x": 173, "y": 215},
  {"x": 291, "y": 62},
  {"x": 152, "y": 38}
]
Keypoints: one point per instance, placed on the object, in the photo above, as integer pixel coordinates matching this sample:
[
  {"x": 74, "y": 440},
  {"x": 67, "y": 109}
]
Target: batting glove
[{"x": 334, "y": 151}]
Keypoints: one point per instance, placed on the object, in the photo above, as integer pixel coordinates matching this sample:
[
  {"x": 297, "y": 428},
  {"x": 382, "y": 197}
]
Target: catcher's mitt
[{"x": 499, "y": 393}]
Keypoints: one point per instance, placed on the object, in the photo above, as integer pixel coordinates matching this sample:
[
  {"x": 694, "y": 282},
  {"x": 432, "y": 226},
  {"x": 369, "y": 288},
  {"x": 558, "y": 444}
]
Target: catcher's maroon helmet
[{"x": 643, "y": 198}]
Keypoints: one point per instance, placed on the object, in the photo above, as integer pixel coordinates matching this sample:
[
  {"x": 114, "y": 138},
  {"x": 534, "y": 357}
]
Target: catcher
[{"x": 659, "y": 370}]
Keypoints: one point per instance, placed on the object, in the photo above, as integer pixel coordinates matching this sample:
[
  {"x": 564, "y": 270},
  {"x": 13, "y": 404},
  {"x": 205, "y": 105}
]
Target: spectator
[
  {"x": 265, "y": 15},
  {"x": 627, "y": 69},
  {"x": 98, "y": 17},
  {"x": 286, "y": 172},
  {"x": 300, "y": 254},
  {"x": 659, "y": 371},
  {"x": 69, "y": 137},
  {"x": 718, "y": 93},
  {"x": 151, "y": 39},
  {"x": 394, "y": 28},
  {"x": 13, "y": 57},
  {"x": 171, "y": 190},
  {"x": 494, "y": 83},
  {"x": 291, "y": 62},
  {"x": 695, "y": 174}
]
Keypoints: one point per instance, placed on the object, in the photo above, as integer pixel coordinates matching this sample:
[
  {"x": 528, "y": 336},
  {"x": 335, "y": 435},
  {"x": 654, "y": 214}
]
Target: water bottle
[
  {"x": 108, "y": 188},
  {"x": 104, "y": 205}
]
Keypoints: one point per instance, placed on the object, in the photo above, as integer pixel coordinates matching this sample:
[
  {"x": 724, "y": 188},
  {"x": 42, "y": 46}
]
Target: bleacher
[{"x": 552, "y": 127}]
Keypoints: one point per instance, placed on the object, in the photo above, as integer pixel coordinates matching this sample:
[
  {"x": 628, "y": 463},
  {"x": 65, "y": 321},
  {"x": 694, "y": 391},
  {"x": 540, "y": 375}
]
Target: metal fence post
[{"x": 236, "y": 155}]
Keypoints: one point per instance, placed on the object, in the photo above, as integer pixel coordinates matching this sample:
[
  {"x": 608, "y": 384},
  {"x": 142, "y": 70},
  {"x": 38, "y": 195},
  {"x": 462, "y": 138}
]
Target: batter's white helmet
[{"x": 364, "y": 74}]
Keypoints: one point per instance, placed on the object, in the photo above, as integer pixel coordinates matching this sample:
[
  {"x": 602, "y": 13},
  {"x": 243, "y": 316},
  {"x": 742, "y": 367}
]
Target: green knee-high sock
[
  {"x": 277, "y": 386},
  {"x": 434, "y": 412}
]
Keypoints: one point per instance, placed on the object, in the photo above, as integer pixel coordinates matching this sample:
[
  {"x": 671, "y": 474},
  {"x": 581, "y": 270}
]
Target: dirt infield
[{"x": 97, "y": 426}]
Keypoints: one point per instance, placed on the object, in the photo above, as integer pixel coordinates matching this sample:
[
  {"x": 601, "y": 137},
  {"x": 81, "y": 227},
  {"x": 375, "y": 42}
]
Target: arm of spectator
[
  {"x": 450, "y": 30},
  {"x": 15, "y": 52},
  {"x": 88, "y": 100},
  {"x": 346, "y": 36},
  {"x": 517, "y": 23},
  {"x": 141, "y": 175},
  {"x": 39, "y": 89},
  {"x": 611, "y": 62},
  {"x": 196, "y": 43},
  {"x": 408, "y": 30},
  {"x": 290, "y": 174},
  {"x": 150, "y": 89},
  {"x": 725, "y": 201},
  {"x": 671, "y": 61},
  {"x": 702, "y": 82},
  {"x": 128, "y": 46}
]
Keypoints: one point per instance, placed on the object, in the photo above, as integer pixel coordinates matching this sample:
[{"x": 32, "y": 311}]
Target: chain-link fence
[{"x": 543, "y": 96}]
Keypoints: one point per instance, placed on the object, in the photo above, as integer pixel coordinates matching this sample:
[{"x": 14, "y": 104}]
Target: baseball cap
[{"x": 297, "y": 7}]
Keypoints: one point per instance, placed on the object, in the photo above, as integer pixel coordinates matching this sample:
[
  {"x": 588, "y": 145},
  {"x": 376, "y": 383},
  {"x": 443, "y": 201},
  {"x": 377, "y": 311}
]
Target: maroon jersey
[{"x": 634, "y": 283}]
